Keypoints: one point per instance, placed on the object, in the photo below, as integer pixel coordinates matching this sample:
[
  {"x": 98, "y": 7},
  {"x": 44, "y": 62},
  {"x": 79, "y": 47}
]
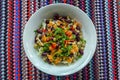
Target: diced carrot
[
  {"x": 68, "y": 33},
  {"x": 51, "y": 48},
  {"x": 68, "y": 41},
  {"x": 55, "y": 25},
  {"x": 57, "y": 60},
  {"x": 74, "y": 48},
  {"x": 72, "y": 51},
  {"x": 71, "y": 37},
  {"x": 50, "y": 57},
  {"x": 63, "y": 27},
  {"x": 69, "y": 60},
  {"x": 54, "y": 45},
  {"x": 50, "y": 24},
  {"x": 44, "y": 38}
]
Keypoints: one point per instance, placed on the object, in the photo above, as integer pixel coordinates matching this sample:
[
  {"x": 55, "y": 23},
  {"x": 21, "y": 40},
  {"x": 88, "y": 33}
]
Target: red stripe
[
  {"x": 35, "y": 70},
  {"x": 50, "y": 1},
  {"x": 65, "y": 1},
  {"x": 34, "y": 5},
  {"x": 71, "y": 1},
  {"x": 67, "y": 78},
  {"x": 87, "y": 72},
  {"x": 52, "y": 78},
  {"x": 82, "y": 4},
  {"x": 28, "y": 9},
  {"x": 75, "y": 76},
  {"x": 9, "y": 40},
  {"x": 29, "y": 70},
  {"x": 112, "y": 34},
  {"x": 29, "y": 63}
]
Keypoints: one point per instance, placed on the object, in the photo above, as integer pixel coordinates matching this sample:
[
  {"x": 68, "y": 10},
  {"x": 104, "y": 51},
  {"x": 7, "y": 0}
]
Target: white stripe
[{"x": 23, "y": 56}]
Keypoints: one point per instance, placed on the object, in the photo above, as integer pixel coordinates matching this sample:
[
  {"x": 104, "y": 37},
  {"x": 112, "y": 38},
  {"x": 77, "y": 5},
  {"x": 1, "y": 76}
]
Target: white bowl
[{"x": 88, "y": 30}]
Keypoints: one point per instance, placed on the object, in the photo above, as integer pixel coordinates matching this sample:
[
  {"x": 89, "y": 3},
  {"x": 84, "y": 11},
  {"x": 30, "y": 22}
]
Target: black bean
[
  {"x": 76, "y": 33},
  {"x": 71, "y": 55},
  {"x": 64, "y": 17},
  {"x": 56, "y": 16},
  {"x": 47, "y": 21},
  {"x": 78, "y": 38},
  {"x": 39, "y": 31},
  {"x": 81, "y": 51},
  {"x": 44, "y": 54},
  {"x": 78, "y": 28},
  {"x": 48, "y": 61}
]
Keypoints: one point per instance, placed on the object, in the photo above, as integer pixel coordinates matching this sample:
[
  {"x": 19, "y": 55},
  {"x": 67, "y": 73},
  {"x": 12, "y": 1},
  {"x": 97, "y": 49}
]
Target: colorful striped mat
[{"x": 105, "y": 65}]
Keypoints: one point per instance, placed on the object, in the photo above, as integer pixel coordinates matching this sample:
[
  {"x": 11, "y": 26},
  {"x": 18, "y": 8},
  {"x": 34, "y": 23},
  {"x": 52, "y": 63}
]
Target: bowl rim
[{"x": 78, "y": 68}]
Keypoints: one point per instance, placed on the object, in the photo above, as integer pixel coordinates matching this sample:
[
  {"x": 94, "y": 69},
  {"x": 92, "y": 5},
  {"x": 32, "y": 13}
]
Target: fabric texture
[{"x": 105, "y": 65}]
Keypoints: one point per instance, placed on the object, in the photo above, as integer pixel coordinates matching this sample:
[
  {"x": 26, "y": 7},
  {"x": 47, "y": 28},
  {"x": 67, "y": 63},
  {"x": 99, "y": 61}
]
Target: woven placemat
[{"x": 105, "y": 65}]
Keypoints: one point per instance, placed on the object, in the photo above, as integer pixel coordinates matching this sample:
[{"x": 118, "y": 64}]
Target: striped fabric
[{"x": 105, "y": 65}]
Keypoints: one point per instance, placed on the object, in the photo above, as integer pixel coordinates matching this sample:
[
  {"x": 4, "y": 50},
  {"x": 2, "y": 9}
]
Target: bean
[
  {"x": 64, "y": 17},
  {"x": 48, "y": 61},
  {"x": 39, "y": 31},
  {"x": 76, "y": 33},
  {"x": 78, "y": 28},
  {"x": 56, "y": 16},
  {"x": 78, "y": 38},
  {"x": 71, "y": 55},
  {"x": 81, "y": 51},
  {"x": 47, "y": 21}
]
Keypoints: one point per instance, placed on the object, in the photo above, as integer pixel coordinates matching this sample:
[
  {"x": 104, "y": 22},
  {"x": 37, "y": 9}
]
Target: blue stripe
[
  {"x": 91, "y": 62},
  {"x": 16, "y": 39},
  {"x": 109, "y": 48}
]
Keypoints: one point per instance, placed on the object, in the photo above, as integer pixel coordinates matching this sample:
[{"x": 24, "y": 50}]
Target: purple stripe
[{"x": 16, "y": 41}]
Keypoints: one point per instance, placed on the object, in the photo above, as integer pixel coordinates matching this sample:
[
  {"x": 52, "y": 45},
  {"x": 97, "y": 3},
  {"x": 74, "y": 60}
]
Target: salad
[{"x": 60, "y": 40}]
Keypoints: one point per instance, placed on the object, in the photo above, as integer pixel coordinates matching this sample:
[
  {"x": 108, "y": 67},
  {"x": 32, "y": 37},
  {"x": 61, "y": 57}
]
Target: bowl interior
[{"x": 88, "y": 30}]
